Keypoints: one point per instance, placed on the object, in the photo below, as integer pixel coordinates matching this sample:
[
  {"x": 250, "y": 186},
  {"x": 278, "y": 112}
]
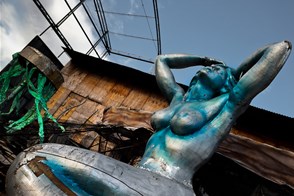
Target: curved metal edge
[
  {"x": 44, "y": 64},
  {"x": 24, "y": 178}
]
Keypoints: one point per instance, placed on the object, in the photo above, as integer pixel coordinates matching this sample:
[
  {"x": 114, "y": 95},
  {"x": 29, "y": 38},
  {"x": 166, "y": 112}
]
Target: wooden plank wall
[
  {"x": 95, "y": 98},
  {"x": 85, "y": 96},
  {"x": 88, "y": 97}
]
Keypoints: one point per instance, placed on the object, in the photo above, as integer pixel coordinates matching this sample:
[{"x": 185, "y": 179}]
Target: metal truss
[{"x": 100, "y": 28}]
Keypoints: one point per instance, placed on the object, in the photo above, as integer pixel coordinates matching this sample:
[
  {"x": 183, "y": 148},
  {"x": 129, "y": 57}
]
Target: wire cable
[
  {"x": 132, "y": 36},
  {"x": 148, "y": 23},
  {"x": 125, "y": 14}
]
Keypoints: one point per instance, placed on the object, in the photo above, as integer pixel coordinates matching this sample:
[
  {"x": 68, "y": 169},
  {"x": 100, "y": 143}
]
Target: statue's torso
[{"x": 182, "y": 136}]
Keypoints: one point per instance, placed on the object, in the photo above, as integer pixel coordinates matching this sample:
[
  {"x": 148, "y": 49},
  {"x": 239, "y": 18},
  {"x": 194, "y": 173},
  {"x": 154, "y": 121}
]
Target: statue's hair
[{"x": 230, "y": 81}]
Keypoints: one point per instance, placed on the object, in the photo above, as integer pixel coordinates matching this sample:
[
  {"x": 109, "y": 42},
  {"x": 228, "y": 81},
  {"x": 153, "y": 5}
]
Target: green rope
[
  {"x": 14, "y": 71},
  {"x": 15, "y": 106},
  {"x": 40, "y": 101},
  {"x": 41, "y": 93},
  {"x": 25, "y": 120}
]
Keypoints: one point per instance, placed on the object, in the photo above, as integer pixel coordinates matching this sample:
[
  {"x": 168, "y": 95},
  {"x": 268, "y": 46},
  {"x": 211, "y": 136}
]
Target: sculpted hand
[{"x": 210, "y": 61}]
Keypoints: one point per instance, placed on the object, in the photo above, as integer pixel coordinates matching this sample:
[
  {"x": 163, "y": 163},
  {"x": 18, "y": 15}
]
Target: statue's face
[
  {"x": 210, "y": 78},
  {"x": 213, "y": 76}
]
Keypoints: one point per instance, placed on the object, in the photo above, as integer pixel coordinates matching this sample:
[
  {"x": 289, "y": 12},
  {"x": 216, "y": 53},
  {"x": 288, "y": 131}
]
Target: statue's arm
[
  {"x": 257, "y": 72},
  {"x": 176, "y": 61},
  {"x": 164, "y": 76},
  {"x": 249, "y": 62}
]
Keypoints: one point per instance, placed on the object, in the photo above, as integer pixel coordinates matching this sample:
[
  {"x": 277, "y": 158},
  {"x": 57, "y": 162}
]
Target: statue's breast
[
  {"x": 187, "y": 121},
  {"x": 161, "y": 119},
  {"x": 192, "y": 116},
  {"x": 188, "y": 117}
]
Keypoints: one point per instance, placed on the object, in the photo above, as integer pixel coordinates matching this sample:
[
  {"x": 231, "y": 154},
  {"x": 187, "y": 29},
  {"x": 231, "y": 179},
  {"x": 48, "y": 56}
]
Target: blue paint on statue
[
  {"x": 190, "y": 129},
  {"x": 72, "y": 179},
  {"x": 81, "y": 183}
]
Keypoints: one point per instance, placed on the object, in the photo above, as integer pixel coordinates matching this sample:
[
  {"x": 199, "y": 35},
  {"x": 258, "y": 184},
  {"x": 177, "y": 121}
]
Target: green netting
[{"x": 41, "y": 93}]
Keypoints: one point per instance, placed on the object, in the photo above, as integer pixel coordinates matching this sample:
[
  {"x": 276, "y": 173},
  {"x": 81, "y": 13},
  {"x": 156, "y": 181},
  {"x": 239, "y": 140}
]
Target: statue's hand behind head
[{"x": 210, "y": 61}]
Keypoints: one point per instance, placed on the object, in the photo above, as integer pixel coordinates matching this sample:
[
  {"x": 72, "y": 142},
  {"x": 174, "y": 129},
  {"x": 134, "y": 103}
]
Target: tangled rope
[{"x": 41, "y": 93}]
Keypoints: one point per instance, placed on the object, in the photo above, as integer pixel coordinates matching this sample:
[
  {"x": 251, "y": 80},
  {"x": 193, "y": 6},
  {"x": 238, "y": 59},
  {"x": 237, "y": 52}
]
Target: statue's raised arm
[{"x": 258, "y": 71}]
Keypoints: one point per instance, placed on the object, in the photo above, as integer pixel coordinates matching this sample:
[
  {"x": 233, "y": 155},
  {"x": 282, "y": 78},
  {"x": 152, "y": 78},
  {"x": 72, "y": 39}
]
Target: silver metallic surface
[{"x": 54, "y": 169}]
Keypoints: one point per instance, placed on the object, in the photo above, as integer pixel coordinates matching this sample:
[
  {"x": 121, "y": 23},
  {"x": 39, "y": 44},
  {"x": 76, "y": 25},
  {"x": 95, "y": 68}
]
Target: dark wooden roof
[
  {"x": 269, "y": 126},
  {"x": 119, "y": 72}
]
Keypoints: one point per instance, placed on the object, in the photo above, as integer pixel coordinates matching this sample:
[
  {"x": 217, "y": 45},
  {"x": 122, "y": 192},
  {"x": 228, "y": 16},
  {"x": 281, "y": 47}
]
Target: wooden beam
[{"x": 270, "y": 162}]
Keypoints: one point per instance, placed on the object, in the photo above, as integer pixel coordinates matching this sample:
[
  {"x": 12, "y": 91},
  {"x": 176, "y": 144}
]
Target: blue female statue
[{"x": 189, "y": 130}]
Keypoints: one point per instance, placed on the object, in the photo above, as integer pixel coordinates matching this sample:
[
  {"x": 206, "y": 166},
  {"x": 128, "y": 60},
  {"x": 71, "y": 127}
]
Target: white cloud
[
  {"x": 134, "y": 6},
  {"x": 115, "y": 22},
  {"x": 16, "y": 30},
  {"x": 70, "y": 28},
  {"x": 21, "y": 21}
]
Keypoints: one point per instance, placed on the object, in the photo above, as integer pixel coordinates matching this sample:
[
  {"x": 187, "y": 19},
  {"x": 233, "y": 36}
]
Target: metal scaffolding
[{"x": 100, "y": 27}]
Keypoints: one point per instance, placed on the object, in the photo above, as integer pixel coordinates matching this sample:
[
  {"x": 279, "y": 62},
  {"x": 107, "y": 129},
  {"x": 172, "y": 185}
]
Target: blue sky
[{"x": 226, "y": 30}]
